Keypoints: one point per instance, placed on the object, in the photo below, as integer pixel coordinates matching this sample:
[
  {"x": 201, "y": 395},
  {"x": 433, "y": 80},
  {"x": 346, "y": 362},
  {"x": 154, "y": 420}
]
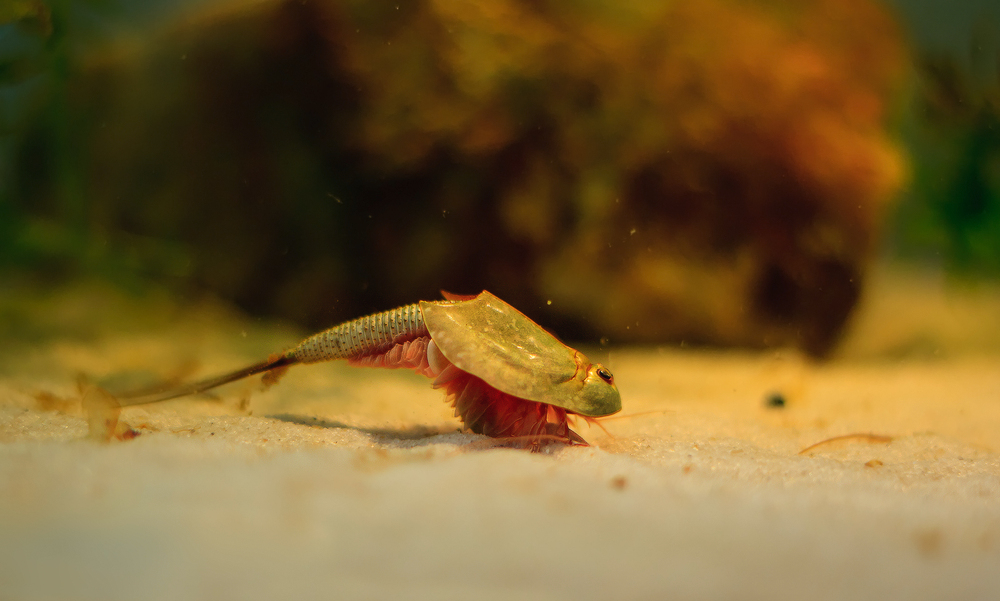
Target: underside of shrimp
[{"x": 482, "y": 408}]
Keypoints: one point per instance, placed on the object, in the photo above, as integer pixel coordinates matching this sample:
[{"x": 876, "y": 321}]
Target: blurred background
[{"x": 722, "y": 173}]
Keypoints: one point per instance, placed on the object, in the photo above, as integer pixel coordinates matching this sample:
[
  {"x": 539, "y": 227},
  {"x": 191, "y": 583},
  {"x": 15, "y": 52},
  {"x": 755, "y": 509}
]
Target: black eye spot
[{"x": 605, "y": 375}]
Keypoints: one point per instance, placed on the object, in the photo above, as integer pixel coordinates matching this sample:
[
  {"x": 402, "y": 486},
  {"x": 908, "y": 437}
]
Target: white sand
[{"x": 351, "y": 483}]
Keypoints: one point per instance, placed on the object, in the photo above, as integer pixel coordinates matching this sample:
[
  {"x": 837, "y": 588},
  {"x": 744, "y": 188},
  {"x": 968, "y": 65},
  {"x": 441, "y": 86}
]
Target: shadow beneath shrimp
[
  {"x": 400, "y": 437},
  {"x": 422, "y": 436}
]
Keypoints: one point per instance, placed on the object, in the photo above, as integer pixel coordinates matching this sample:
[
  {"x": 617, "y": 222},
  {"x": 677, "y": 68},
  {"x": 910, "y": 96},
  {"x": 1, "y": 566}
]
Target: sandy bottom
[{"x": 353, "y": 483}]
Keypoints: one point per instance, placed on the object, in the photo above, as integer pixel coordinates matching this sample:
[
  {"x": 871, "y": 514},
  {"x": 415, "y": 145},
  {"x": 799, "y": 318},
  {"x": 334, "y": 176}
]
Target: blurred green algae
[{"x": 719, "y": 173}]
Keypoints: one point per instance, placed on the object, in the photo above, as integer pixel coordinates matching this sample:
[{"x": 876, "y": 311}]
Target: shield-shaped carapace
[{"x": 505, "y": 375}]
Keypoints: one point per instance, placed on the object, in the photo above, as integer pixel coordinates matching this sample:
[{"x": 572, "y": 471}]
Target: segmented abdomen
[{"x": 364, "y": 336}]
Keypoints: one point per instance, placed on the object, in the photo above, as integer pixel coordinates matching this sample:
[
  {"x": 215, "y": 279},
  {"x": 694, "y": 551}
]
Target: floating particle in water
[{"x": 775, "y": 400}]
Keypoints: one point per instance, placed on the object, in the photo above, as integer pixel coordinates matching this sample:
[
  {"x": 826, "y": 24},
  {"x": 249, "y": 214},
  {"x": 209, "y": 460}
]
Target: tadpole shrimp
[{"x": 505, "y": 375}]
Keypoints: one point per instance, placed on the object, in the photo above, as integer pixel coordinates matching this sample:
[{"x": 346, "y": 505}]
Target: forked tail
[
  {"x": 386, "y": 339},
  {"x": 161, "y": 393}
]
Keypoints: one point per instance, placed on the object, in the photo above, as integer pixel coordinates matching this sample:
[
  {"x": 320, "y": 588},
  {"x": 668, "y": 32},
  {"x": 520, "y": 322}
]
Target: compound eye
[{"x": 605, "y": 375}]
